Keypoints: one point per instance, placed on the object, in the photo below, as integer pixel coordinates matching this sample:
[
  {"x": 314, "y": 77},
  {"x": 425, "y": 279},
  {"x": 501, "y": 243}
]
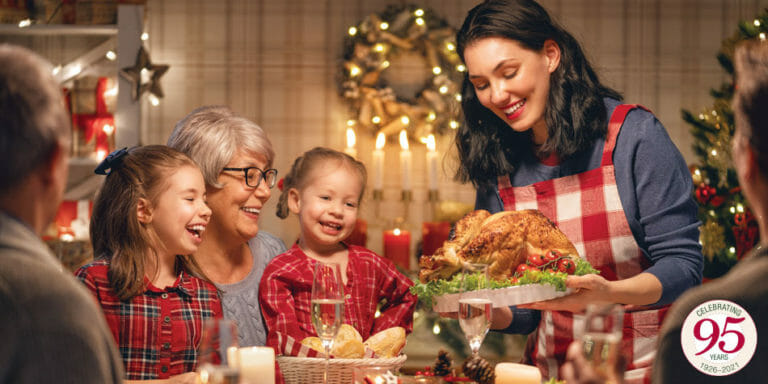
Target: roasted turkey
[{"x": 502, "y": 240}]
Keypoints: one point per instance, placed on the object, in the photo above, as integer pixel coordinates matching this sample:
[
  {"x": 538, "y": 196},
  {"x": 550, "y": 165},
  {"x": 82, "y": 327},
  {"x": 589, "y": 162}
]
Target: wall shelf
[
  {"x": 91, "y": 42},
  {"x": 59, "y": 30}
]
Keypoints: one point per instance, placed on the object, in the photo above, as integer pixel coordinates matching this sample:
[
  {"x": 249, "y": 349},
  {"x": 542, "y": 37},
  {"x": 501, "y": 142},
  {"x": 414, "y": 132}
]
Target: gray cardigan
[{"x": 240, "y": 300}]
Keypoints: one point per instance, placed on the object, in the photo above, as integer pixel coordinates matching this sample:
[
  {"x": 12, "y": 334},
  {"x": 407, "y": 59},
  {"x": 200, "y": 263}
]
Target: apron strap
[{"x": 614, "y": 126}]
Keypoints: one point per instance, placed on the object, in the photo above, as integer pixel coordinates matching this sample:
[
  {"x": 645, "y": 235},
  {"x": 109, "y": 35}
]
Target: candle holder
[
  {"x": 406, "y": 196},
  {"x": 378, "y": 197}
]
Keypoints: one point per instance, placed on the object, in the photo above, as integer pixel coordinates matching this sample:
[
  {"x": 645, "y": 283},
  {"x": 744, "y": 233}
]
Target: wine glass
[
  {"x": 603, "y": 325},
  {"x": 327, "y": 306},
  {"x": 475, "y": 307},
  {"x": 217, "y": 355}
]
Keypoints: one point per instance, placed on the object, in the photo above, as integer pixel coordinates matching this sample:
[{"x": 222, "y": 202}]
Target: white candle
[
  {"x": 350, "y": 149},
  {"x": 513, "y": 373},
  {"x": 378, "y": 163},
  {"x": 432, "y": 162},
  {"x": 405, "y": 161},
  {"x": 257, "y": 365}
]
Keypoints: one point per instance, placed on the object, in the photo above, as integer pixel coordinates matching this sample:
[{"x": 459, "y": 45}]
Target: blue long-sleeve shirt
[{"x": 654, "y": 187}]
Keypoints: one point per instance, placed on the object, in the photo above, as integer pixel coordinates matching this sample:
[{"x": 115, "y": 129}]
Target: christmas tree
[{"x": 729, "y": 230}]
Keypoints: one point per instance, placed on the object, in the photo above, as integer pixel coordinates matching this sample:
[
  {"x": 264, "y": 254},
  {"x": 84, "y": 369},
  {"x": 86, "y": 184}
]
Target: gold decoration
[
  {"x": 696, "y": 174},
  {"x": 712, "y": 239},
  {"x": 369, "y": 48}
]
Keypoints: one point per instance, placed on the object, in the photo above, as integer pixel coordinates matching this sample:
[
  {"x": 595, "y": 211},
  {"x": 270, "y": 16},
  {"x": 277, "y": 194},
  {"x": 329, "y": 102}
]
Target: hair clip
[
  {"x": 112, "y": 161},
  {"x": 280, "y": 184}
]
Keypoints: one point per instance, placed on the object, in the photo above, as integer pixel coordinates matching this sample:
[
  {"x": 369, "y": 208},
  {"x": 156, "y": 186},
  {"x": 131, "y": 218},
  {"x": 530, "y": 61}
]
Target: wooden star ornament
[{"x": 134, "y": 75}]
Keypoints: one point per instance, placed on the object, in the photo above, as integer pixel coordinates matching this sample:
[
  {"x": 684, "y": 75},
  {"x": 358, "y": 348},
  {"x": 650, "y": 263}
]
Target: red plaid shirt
[
  {"x": 286, "y": 289},
  {"x": 158, "y": 332}
]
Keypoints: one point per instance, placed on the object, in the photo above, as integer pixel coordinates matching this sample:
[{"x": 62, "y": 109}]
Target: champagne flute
[
  {"x": 475, "y": 307},
  {"x": 217, "y": 355},
  {"x": 327, "y": 306},
  {"x": 603, "y": 326}
]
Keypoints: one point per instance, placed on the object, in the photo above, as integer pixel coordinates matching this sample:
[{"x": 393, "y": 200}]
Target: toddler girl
[
  {"x": 324, "y": 188},
  {"x": 149, "y": 214}
]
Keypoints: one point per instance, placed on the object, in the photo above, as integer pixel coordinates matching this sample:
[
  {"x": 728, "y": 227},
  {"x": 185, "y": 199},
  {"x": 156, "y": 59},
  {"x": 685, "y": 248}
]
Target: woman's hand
[{"x": 587, "y": 289}]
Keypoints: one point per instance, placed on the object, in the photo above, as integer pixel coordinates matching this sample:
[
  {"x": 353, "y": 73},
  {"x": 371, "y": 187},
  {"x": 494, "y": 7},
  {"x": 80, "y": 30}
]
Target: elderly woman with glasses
[{"x": 235, "y": 157}]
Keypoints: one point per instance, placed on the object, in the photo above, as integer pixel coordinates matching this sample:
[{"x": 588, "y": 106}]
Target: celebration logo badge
[{"x": 719, "y": 337}]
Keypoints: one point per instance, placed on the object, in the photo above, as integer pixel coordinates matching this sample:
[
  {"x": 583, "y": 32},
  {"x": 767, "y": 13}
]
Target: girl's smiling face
[
  {"x": 180, "y": 214},
  {"x": 512, "y": 81},
  {"x": 327, "y": 206}
]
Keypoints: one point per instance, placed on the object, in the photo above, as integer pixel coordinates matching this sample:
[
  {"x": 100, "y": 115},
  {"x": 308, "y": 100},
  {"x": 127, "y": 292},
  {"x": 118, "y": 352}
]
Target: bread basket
[{"x": 303, "y": 370}]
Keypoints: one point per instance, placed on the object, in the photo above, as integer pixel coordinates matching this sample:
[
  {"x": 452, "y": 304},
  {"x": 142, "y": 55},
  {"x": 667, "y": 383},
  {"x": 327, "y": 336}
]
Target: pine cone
[
  {"x": 443, "y": 364},
  {"x": 479, "y": 370}
]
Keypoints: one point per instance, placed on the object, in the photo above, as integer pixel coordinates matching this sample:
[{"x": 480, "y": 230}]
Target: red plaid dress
[
  {"x": 157, "y": 333},
  {"x": 586, "y": 207},
  {"x": 286, "y": 289}
]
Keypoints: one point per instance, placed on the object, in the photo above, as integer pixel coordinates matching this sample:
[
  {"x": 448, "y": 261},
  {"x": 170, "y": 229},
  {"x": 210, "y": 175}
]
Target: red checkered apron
[{"x": 586, "y": 207}]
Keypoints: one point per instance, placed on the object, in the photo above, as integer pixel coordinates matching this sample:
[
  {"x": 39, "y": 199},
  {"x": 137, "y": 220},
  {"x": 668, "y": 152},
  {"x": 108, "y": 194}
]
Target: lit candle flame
[
  {"x": 396, "y": 231},
  {"x": 404, "y": 140},
  {"x": 431, "y": 145},
  {"x": 380, "y": 140},
  {"x": 350, "y": 138}
]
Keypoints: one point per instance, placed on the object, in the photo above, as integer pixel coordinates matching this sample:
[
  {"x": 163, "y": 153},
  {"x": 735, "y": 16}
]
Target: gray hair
[
  {"x": 212, "y": 135},
  {"x": 33, "y": 119}
]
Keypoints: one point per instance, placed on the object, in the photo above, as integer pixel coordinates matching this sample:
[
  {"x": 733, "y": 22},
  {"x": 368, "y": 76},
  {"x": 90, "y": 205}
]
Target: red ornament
[
  {"x": 280, "y": 184},
  {"x": 745, "y": 232},
  {"x": 705, "y": 193},
  {"x": 744, "y": 219}
]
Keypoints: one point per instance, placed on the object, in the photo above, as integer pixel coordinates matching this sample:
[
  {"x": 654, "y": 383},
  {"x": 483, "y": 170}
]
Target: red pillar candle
[
  {"x": 359, "y": 235},
  {"x": 397, "y": 247},
  {"x": 433, "y": 235}
]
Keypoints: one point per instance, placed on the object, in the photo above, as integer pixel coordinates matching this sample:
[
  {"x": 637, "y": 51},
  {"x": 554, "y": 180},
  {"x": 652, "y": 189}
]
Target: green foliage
[{"x": 426, "y": 291}]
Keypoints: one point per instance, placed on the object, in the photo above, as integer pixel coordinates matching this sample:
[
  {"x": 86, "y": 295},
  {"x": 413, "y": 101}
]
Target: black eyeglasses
[{"x": 254, "y": 176}]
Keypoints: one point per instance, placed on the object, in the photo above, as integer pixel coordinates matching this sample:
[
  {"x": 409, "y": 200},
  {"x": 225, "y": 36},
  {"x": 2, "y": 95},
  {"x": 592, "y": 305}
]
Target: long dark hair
[
  {"x": 116, "y": 233},
  {"x": 575, "y": 112}
]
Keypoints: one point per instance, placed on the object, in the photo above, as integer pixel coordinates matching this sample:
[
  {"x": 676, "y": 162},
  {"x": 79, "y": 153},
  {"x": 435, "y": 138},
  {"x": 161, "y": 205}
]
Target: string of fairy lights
[{"x": 370, "y": 48}]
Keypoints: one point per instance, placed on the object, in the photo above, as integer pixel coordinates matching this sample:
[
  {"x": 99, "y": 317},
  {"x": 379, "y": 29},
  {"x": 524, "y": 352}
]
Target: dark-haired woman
[{"x": 542, "y": 132}]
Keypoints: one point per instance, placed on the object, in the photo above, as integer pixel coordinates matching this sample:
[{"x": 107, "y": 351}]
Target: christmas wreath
[{"x": 370, "y": 47}]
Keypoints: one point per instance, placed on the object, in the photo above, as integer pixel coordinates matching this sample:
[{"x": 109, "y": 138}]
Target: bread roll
[
  {"x": 348, "y": 344},
  {"x": 314, "y": 343},
  {"x": 387, "y": 343}
]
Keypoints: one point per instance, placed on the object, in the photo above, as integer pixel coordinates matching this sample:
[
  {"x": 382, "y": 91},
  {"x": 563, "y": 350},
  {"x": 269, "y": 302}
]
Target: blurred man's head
[
  {"x": 34, "y": 131},
  {"x": 750, "y": 104}
]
